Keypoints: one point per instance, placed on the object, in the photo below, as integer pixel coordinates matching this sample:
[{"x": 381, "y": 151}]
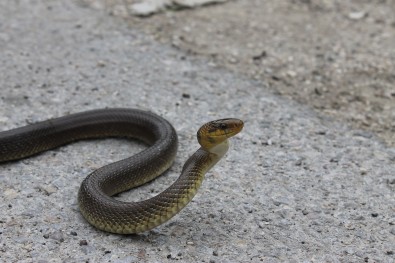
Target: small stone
[
  {"x": 211, "y": 215},
  {"x": 4, "y": 119},
  {"x": 321, "y": 132},
  {"x": 259, "y": 56},
  {"x": 268, "y": 142},
  {"x": 349, "y": 226},
  {"x": 73, "y": 233},
  {"x": 275, "y": 78},
  {"x": 291, "y": 73},
  {"x": 194, "y": 3},
  {"x": 233, "y": 60},
  {"x": 190, "y": 243},
  {"x": 215, "y": 253},
  {"x": 10, "y": 193},
  {"x": 261, "y": 224},
  {"x": 142, "y": 253},
  {"x": 48, "y": 189},
  {"x": 147, "y": 8},
  {"x": 83, "y": 242},
  {"x": 58, "y": 236},
  {"x": 375, "y": 214},
  {"x": 101, "y": 64},
  {"x": 359, "y": 217},
  {"x": 356, "y": 15},
  {"x": 364, "y": 134},
  {"x": 391, "y": 182}
]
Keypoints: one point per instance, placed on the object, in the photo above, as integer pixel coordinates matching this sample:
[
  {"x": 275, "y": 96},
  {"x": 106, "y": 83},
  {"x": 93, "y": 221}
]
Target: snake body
[{"x": 94, "y": 197}]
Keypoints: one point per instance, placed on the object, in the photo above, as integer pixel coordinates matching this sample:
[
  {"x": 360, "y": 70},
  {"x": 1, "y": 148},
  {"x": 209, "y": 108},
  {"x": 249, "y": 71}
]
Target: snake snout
[{"x": 234, "y": 127}]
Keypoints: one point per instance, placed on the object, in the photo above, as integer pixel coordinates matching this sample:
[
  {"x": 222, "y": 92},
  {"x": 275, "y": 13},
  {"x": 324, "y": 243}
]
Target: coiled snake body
[{"x": 94, "y": 197}]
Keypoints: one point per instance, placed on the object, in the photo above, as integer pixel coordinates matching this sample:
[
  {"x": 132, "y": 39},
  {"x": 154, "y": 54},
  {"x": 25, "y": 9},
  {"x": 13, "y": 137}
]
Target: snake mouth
[{"x": 237, "y": 126}]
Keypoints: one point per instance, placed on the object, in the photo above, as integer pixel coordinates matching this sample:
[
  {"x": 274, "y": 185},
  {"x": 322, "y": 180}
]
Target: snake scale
[{"x": 94, "y": 197}]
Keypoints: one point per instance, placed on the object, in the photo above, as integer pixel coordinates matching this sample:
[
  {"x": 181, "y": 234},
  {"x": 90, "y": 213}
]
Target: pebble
[
  {"x": 48, "y": 189},
  {"x": 58, "y": 236},
  {"x": 10, "y": 193},
  {"x": 356, "y": 15}
]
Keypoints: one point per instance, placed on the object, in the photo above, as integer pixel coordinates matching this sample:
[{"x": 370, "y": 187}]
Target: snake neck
[
  {"x": 180, "y": 193},
  {"x": 220, "y": 149},
  {"x": 215, "y": 154}
]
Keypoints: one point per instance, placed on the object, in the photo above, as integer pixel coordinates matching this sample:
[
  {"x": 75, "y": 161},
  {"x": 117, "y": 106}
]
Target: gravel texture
[
  {"x": 336, "y": 56},
  {"x": 296, "y": 186}
]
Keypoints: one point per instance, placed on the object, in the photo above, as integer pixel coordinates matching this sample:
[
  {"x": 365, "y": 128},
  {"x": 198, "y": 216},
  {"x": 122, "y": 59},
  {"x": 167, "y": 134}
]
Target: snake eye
[{"x": 223, "y": 126}]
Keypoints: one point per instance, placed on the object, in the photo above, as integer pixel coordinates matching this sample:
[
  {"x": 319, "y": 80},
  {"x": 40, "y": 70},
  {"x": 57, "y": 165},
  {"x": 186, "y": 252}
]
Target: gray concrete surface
[
  {"x": 338, "y": 57},
  {"x": 295, "y": 187}
]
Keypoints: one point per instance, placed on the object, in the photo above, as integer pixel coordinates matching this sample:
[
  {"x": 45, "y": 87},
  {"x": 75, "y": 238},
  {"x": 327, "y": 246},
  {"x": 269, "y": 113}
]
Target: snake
[{"x": 96, "y": 194}]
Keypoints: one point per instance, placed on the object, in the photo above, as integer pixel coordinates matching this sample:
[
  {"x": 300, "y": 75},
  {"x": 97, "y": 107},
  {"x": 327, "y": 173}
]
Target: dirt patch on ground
[{"x": 336, "y": 56}]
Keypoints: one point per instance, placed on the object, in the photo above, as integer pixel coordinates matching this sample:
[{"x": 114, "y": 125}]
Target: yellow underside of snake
[{"x": 95, "y": 195}]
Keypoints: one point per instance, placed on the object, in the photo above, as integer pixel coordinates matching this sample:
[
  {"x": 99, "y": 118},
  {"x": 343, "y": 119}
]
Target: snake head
[{"x": 215, "y": 132}]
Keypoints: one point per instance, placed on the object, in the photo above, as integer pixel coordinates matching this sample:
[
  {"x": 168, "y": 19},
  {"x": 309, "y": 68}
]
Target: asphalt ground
[{"x": 295, "y": 186}]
